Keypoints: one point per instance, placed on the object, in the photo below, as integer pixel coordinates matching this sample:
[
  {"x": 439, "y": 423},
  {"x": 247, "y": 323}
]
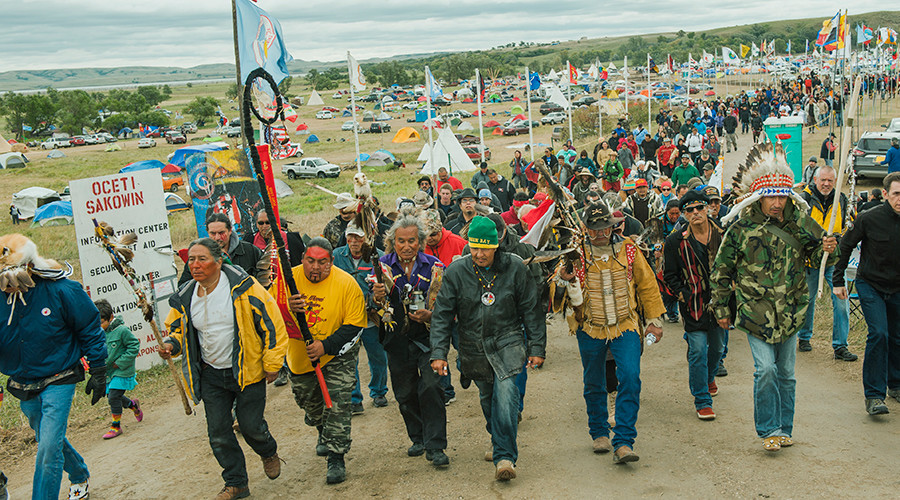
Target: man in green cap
[{"x": 492, "y": 296}]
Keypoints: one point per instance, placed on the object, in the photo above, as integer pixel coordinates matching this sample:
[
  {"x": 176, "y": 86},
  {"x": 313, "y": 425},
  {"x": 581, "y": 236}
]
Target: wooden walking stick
[
  {"x": 121, "y": 258},
  {"x": 844, "y": 151}
]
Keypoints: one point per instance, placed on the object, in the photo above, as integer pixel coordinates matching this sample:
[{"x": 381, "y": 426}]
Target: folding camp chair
[{"x": 856, "y": 313}]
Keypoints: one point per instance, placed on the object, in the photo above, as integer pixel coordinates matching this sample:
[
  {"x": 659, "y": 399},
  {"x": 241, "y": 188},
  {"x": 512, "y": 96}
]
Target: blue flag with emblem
[
  {"x": 434, "y": 88},
  {"x": 260, "y": 43},
  {"x": 534, "y": 81}
]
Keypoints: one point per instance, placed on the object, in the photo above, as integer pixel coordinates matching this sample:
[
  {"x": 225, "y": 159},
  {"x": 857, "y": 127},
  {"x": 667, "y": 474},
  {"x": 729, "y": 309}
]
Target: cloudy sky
[{"x": 46, "y": 34}]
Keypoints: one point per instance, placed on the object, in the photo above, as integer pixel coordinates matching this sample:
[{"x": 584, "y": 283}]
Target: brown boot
[
  {"x": 272, "y": 466},
  {"x": 624, "y": 454},
  {"x": 232, "y": 492},
  {"x": 602, "y": 445},
  {"x": 506, "y": 470}
]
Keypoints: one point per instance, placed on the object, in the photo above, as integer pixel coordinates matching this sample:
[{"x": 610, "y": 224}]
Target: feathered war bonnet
[{"x": 765, "y": 173}]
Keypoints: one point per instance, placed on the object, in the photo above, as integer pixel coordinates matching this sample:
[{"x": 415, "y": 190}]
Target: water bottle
[{"x": 650, "y": 339}]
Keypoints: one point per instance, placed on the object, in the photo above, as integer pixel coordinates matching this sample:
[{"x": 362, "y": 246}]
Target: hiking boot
[
  {"x": 272, "y": 466},
  {"x": 602, "y": 445},
  {"x": 713, "y": 389},
  {"x": 804, "y": 346},
  {"x": 437, "y": 457},
  {"x": 336, "y": 471},
  {"x": 844, "y": 354},
  {"x": 706, "y": 413},
  {"x": 625, "y": 454},
  {"x": 379, "y": 402},
  {"x": 79, "y": 491},
  {"x": 506, "y": 470},
  {"x": 416, "y": 450},
  {"x": 282, "y": 378},
  {"x": 136, "y": 408},
  {"x": 114, "y": 431},
  {"x": 321, "y": 447},
  {"x": 357, "y": 409},
  {"x": 894, "y": 393},
  {"x": 722, "y": 371},
  {"x": 231, "y": 492},
  {"x": 876, "y": 407}
]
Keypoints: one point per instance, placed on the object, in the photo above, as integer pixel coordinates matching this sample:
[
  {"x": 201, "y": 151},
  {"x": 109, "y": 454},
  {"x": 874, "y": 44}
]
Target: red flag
[
  {"x": 573, "y": 74},
  {"x": 671, "y": 63}
]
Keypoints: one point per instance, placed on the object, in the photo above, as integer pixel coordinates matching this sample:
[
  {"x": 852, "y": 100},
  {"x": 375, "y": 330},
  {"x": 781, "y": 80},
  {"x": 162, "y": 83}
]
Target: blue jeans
[
  {"x": 377, "y": 366},
  {"x": 840, "y": 328},
  {"x": 499, "y": 401},
  {"x": 521, "y": 380},
  {"x": 671, "y": 306},
  {"x": 704, "y": 352},
  {"x": 774, "y": 385},
  {"x": 48, "y": 415},
  {"x": 881, "y": 366},
  {"x": 626, "y": 350}
]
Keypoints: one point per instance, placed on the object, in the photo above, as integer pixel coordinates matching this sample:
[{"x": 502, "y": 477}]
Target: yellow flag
[{"x": 744, "y": 50}]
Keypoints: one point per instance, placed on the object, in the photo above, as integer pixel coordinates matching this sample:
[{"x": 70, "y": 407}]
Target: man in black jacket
[
  {"x": 492, "y": 296},
  {"x": 731, "y": 125},
  {"x": 501, "y": 188},
  {"x": 688, "y": 257},
  {"x": 878, "y": 285}
]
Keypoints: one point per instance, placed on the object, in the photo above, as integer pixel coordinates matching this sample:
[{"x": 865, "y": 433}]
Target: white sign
[{"x": 129, "y": 202}]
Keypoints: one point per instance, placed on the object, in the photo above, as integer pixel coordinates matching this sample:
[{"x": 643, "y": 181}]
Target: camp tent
[
  {"x": 312, "y": 139},
  {"x": 382, "y": 117},
  {"x": 282, "y": 189},
  {"x": 556, "y": 96},
  {"x": 56, "y": 154},
  {"x": 55, "y": 213},
  {"x": 448, "y": 153},
  {"x": 406, "y": 134},
  {"x": 368, "y": 116},
  {"x": 315, "y": 99},
  {"x": 379, "y": 159},
  {"x": 29, "y": 199},
  {"x": 515, "y": 110},
  {"x": 12, "y": 160},
  {"x": 142, "y": 165},
  {"x": 464, "y": 93},
  {"x": 346, "y": 113},
  {"x": 174, "y": 203},
  {"x": 492, "y": 123},
  {"x": 113, "y": 146},
  {"x": 465, "y": 126},
  {"x": 4, "y": 145},
  {"x": 180, "y": 154}
]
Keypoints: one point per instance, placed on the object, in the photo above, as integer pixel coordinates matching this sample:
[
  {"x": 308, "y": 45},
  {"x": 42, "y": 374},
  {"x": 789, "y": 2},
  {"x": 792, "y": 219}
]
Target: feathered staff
[
  {"x": 121, "y": 257},
  {"x": 286, "y": 272}
]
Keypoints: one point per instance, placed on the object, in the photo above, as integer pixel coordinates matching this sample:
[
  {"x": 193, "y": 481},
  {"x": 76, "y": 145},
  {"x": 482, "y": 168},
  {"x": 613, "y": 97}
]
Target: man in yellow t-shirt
[{"x": 335, "y": 311}]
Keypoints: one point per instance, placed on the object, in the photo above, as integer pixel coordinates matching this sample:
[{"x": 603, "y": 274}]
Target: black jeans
[
  {"x": 418, "y": 392},
  {"x": 219, "y": 391},
  {"x": 117, "y": 401}
]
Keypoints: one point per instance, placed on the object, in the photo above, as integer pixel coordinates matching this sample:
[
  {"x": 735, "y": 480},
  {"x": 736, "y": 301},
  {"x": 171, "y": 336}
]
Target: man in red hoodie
[{"x": 440, "y": 242}]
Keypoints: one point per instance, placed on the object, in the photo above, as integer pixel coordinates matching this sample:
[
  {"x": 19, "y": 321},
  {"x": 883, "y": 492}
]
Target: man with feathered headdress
[{"x": 762, "y": 258}]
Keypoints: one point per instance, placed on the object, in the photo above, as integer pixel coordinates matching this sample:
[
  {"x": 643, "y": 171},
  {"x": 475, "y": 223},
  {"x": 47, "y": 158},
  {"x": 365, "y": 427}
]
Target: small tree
[{"x": 202, "y": 109}]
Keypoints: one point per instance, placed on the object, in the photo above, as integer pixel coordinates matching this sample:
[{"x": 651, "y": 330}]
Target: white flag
[
  {"x": 729, "y": 56},
  {"x": 357, "y": 79},
  {"x": 707, "y": 59},
  {"x": 754, "y": 50}
]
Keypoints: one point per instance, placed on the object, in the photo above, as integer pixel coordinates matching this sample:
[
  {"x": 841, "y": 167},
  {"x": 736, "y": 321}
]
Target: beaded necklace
[{"x": 487, "y": 296}]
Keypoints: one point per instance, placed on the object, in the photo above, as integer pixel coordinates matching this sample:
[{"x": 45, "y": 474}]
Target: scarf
[{"x": 695, "y": 273}]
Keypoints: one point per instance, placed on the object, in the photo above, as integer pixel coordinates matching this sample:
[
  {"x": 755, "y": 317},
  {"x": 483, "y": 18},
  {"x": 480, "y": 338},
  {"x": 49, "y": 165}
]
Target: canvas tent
[
  {"x": 406, "y": 134},
  {"x": 142, "y": 165},
  {"x": 448, "y": 153},
  {"x": 180, "y": 154},
  {"x": 12, "y": 160},
  {"x": 56, "y": 154},
  {"x": 29, "y": 199},
  {"x": 55, "y": 213},
  {"x": 174, "y": 203},
  {"x": 382, "y": 117},
  {"x": 282, "y": 189},
  {"x": 315, "y": 99},
  {"x": 556, "y": 96},
  {"x": 465, "y": 126},
  {"x": 113, "y": 147}
]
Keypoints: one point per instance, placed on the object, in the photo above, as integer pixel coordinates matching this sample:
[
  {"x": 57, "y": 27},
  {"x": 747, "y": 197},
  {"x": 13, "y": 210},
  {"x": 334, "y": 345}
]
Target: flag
[
  {"x": 604, "y": 74},
  {"x": 842, "y": 31},
  {"x": 770, "y": 47},
  {"x": 433, "y": 88},
  {"x": 670, "y": 63},
  {"x": 534, "y": 81},
  {"x": 481, "y": 85},
  {"x": 707, "y": 58},
  {"x": 357, "y": 79},
  {"x": 807, "y": 46},
  {"x": 864, "y": 34},
  {"x": 762, "y": 47},
  {"x": 729, "y": 56},
  {"x": 260, "y": 43},
  {"x": 573, "y": 74},
  {"x": 788, "y": 50},
  {"x": 538, "y": 219},
  {"x": 754, "y": 50},
  {"x": 744, "y": 50},
  {"x": 886, "y": 36},
  {"x": 652, "y": 66},
  {"x": 828, "y": 33}
]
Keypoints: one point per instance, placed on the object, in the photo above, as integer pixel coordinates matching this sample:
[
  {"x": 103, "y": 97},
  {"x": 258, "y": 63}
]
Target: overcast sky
[{"x": 50, "y": 34}]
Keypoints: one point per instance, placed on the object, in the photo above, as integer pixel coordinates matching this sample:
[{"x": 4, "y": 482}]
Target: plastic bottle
[{"x": 650, "y": 339}]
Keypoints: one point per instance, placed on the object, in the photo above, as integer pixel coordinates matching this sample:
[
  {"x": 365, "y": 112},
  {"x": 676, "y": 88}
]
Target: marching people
[
  {"x": 688, "y": 258},
  {"x": 47, "y": 328},
  {"x": 417, "y": 279},
  {"x": 762, "y": 260},
  {"x": 878, "y": 286},
  {"x": 332, "y": 304},
  {"x": 617, "y": 279},
  {"x": 232, "y": 339},
  {"x": 493, "y": 297},
  {"x": 237, "y": 252},
  {"x": 122, "y": 348}
]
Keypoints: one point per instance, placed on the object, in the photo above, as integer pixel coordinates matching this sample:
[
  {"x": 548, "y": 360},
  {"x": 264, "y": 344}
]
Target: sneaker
[
  {"x": 379, "y": 402},
  {"x": 272, "y": 466},
  {"x": 79, "y": 491},
  {"x": 282, "y": 378},
  {"x": 231, "y": 492},
  {"x": 449, "y": 400},
  {"x": 321, "y": 447},
  {"x": 625, "y": 454},
  {"x": 416, "y": 450},
  {"x": 876, "y": 407},
  {"x": 672, "y": 319},
  {"x": 713, "y": 389},
  {"x": 506, "y": 470},
  {"x": 337, "y": 473},
  {"x": 804, "y": 346},
  {"x": 113, "y": 432},
  {"x": 136, "y": 408},
  {"x": 722, "y": 372},
  {"x": 844, "y": 354},
  {"x": 706, "y": 413},
  {"x": 437, "y": 457},
  {"x": 894, "y": 393},
  {"x": 357, "y": 408},
  {"x": 602, "y": 445}
]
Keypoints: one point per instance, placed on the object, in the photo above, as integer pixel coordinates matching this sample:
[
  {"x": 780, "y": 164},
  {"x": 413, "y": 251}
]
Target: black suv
[{"x": 550, "y": 107}]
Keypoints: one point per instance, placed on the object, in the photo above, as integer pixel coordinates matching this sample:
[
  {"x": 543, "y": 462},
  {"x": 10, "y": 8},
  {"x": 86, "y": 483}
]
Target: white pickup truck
[
  {"x": 310, "y": 167},
  {"x": 55, "y": 143}
]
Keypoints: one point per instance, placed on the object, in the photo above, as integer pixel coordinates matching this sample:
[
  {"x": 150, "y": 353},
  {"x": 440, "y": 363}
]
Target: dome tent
[{"x": 55, "y": 213}]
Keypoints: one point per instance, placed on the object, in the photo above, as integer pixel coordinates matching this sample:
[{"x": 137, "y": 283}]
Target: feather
[
  {"x": 127, "y": 239},
  {"x": 25, "y": 278},
  {"x": 125, "y": 254}
]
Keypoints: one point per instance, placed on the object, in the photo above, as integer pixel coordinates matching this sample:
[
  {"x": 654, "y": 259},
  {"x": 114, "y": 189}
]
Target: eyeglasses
[
  {"x": 666, "y": 189},
  {"x": 695, "y": 208},
  {"x": 262, "y": 223}
]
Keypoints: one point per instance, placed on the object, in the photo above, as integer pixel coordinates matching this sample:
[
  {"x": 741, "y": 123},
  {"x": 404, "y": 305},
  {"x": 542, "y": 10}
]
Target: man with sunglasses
[{"x": 688, "y": 257}]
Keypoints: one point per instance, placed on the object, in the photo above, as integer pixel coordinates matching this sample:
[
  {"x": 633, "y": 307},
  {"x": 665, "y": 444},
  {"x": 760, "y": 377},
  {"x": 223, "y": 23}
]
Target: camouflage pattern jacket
[{"x": 768, "y": 273}]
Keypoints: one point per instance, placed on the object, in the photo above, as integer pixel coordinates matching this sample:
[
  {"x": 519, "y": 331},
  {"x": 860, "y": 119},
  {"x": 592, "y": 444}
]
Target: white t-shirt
[{"x": 213, "y": 317}]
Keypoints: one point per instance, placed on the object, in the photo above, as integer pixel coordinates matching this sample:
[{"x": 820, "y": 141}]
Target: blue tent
[
  {"x": 142, "y": 165},
  {"x": 57, "y": 213},
  {"x": 347, "y": 113},
  {"x": 364, "y": 157},
  {"x": 390, "y": 155},
  {"x": 181, "y": 153},
  {"x": 312, "y": 138}
]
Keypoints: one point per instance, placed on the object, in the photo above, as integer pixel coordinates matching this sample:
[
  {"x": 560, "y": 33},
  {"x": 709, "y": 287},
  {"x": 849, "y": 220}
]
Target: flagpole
[
  {"x": 649, "y": 94},
  {"x": 625, "y": 69},
  {"x": 428, "y": 112},
  {"x": 480, "y": 127},
  {"x": 527, "y": 98},
  {"x": 569, "y": 89},
  {"x": 688, "y": 80},
  {"x": 353, "y": 111},
  {"x": 599, "y": 103},
  {"x": 237, "y": 68}
]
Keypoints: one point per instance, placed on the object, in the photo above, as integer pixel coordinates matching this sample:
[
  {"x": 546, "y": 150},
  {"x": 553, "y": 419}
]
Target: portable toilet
[
  {"x": 788, "y": 130},
  {"x": 422, "y": 114}
]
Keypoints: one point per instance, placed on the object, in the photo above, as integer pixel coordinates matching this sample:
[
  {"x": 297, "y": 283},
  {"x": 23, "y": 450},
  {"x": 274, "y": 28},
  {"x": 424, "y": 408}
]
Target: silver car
[{"x": 870, "y": 151}]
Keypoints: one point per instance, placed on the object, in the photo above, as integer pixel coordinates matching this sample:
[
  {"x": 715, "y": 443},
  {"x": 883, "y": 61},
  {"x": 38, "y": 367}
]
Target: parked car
[
  {"x": 894, "y": 126},
  {"x": 474, "y": 152},
  {"x": 463, "y": 113},
  {"x": 331, "y": 108},
  {"x": 554, "y": 118},
  {"x": 188, "y": 128},
  {"x": 410, "y": 105},
  {"x": 55, "y": 143},
  {"x": 377, "y": 128},
  {"x": 146, "y": 142},
  {"x": 93, "y": 139},
  {"x": 324, "y": 115},
  {"x": 232, "y": 131},
  {"x": 154, "y": 133},
  {"x": 440, "y": 101},
  {"x": 77, "y": 140},
  {"x": 175, "y": 138},
  {"x": 517, "y": 128},
  {"x": 869, "y": 151},
  {"x": 550, "y": 107},
  {"x": 349, "y": 124},
  {"x": 108, "y": 137},
  {"x": 585, "y": 101},
  {"x": 467, "y": 139},
  {"x": 310, "y": 167}
]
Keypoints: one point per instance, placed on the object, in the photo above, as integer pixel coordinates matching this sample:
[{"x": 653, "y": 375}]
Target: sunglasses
[
  {"x": 666, "y": 189},
  {"x": 695, "y": 208},
  {"x": 262, "y": 223}
]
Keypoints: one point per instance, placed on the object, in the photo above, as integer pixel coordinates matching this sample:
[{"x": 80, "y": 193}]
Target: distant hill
[{"x": 514, "y": 57}]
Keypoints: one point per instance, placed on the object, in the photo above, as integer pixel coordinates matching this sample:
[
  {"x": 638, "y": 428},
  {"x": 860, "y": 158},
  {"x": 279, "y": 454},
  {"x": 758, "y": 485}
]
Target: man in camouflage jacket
[{"x": 763, "y": 259}]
